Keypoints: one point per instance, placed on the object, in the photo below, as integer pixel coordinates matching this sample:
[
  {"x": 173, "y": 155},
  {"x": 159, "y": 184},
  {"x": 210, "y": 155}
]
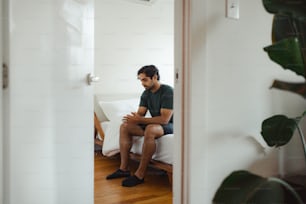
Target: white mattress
[{"x": 164, "y": 145}]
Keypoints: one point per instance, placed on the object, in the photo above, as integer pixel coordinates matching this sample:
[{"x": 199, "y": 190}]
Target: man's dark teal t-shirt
[{"x": 162, "y": 98}]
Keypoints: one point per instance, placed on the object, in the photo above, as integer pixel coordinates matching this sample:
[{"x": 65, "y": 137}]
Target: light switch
[{"x": 232, "y": 9}]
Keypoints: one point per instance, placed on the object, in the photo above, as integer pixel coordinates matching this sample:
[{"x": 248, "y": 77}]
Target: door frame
[
  {"x": 181, "y": 185},
  {"x": 1, "y": 104},
  {"x": 182, "y": 103}
]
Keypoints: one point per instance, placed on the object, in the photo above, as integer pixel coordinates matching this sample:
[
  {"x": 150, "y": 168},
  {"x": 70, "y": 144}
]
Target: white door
[
  {"x": 1, "y": 119},
  {"x": 48, "y": 115}
]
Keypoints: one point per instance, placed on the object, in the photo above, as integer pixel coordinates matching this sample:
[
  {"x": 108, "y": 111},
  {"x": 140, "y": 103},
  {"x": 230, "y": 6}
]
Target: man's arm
[
  {"x": 163, "y": 119},
  {"x": 142, "y": 110},
  {"x": 134, "y": 117}
]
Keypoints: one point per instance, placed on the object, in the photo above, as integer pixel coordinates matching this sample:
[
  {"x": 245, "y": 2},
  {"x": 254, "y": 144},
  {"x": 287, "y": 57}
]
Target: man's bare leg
[
  {"x": 126, "y": 133},
  {"x": 126, "y": 130},
  {"x": 151, "y": 133}
]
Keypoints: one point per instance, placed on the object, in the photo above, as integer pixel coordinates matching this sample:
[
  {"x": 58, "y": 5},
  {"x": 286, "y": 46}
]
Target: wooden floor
[{"x": 155, "y": 189}]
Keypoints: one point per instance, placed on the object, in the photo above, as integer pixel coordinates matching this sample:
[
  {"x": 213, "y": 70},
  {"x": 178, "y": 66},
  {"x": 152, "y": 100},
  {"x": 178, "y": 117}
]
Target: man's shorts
[{"x": 168, "y": 128}]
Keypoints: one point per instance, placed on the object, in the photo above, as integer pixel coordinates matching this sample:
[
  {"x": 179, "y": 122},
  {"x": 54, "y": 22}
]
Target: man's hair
[{"x": 149, "y": 71}]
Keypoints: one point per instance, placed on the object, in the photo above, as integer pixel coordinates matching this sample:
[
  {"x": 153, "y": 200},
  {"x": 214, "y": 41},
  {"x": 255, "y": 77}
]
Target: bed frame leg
[{"x": 170, "y": 177}]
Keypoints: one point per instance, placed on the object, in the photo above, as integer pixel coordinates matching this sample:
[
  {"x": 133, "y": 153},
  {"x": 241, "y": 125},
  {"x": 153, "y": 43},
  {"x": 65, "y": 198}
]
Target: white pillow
[{"x": 115, "y": 110}]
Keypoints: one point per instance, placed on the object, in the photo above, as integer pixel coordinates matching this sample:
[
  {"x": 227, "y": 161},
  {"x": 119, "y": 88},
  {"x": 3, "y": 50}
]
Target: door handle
[{"x": 92, "y": 79}]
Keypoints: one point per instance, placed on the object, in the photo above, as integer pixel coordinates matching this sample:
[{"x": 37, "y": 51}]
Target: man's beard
[{"x": 149, "y": 87}]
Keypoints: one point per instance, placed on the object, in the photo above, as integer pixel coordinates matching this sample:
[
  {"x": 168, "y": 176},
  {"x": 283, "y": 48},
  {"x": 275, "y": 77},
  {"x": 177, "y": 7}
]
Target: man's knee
[
  {"x": 153, "y": 130},
  {"x": 123, "y": 126},
  {"x": 130, "y": 129}
]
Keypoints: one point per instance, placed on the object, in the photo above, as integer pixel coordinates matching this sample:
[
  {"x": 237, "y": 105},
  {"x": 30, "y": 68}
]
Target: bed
[{"x": 108, "y": 113}]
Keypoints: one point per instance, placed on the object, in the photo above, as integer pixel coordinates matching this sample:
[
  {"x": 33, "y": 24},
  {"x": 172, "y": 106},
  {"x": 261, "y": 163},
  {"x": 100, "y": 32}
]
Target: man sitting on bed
[{"x": 157, "y": 98}]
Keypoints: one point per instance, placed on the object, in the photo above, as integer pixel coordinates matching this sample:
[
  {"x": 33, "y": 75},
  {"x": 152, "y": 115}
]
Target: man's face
[{"x": 146, "y": 82}]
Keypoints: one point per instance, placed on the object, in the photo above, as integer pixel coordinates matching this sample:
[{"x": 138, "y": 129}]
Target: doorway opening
[{"x": 129, "y": 35}]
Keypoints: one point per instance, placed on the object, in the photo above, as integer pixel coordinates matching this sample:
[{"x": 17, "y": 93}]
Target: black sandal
[
  {"x": 132, "y": 181},
  {"x": 119, "y": 174}
]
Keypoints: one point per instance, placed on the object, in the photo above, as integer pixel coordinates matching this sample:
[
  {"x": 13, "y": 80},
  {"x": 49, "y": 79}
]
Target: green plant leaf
[
  {"x": 289, "y": 22},
  {"x": 283, "y": 27},
  {"x": 298, "y": 88},
  {"x": 245, "y": 187},
  {"x": 278, "y": 130},
  {"x": 236, "y": 187},
  {"x": 287, "y": 53},
  {"x": 289, "y": 7}
]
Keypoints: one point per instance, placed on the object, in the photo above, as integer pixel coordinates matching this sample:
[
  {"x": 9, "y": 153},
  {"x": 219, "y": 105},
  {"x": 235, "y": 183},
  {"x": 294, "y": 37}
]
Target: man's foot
[
  {"x": 118, "y": 174},
  {"x": 132, "y": 181}
]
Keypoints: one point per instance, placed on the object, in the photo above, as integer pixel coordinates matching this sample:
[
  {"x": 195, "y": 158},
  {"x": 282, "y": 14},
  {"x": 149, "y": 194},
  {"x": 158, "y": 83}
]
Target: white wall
[
  {"x": 130, "y": 35},
  {"x": 229, "y": 79}
]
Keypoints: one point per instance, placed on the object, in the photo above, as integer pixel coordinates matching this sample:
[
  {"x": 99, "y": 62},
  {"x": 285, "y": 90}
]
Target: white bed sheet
[{"x": 164, "y": 145}]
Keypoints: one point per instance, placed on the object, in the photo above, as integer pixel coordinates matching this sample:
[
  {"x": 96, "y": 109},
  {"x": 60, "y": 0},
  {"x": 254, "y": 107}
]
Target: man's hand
[{"x": 132, "y": 118}]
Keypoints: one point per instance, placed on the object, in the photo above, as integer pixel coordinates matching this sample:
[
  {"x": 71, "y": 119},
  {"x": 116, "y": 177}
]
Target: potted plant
[{"x": 288, "y": 49}]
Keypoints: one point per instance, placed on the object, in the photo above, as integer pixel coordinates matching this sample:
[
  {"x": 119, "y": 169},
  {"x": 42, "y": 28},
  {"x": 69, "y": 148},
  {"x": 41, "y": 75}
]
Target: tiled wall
[{"x": 129, "y": 35}]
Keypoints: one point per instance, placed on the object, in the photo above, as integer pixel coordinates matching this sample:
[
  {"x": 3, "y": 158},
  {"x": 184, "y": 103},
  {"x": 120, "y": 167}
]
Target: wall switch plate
[{"x": 232, "y": 9}]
